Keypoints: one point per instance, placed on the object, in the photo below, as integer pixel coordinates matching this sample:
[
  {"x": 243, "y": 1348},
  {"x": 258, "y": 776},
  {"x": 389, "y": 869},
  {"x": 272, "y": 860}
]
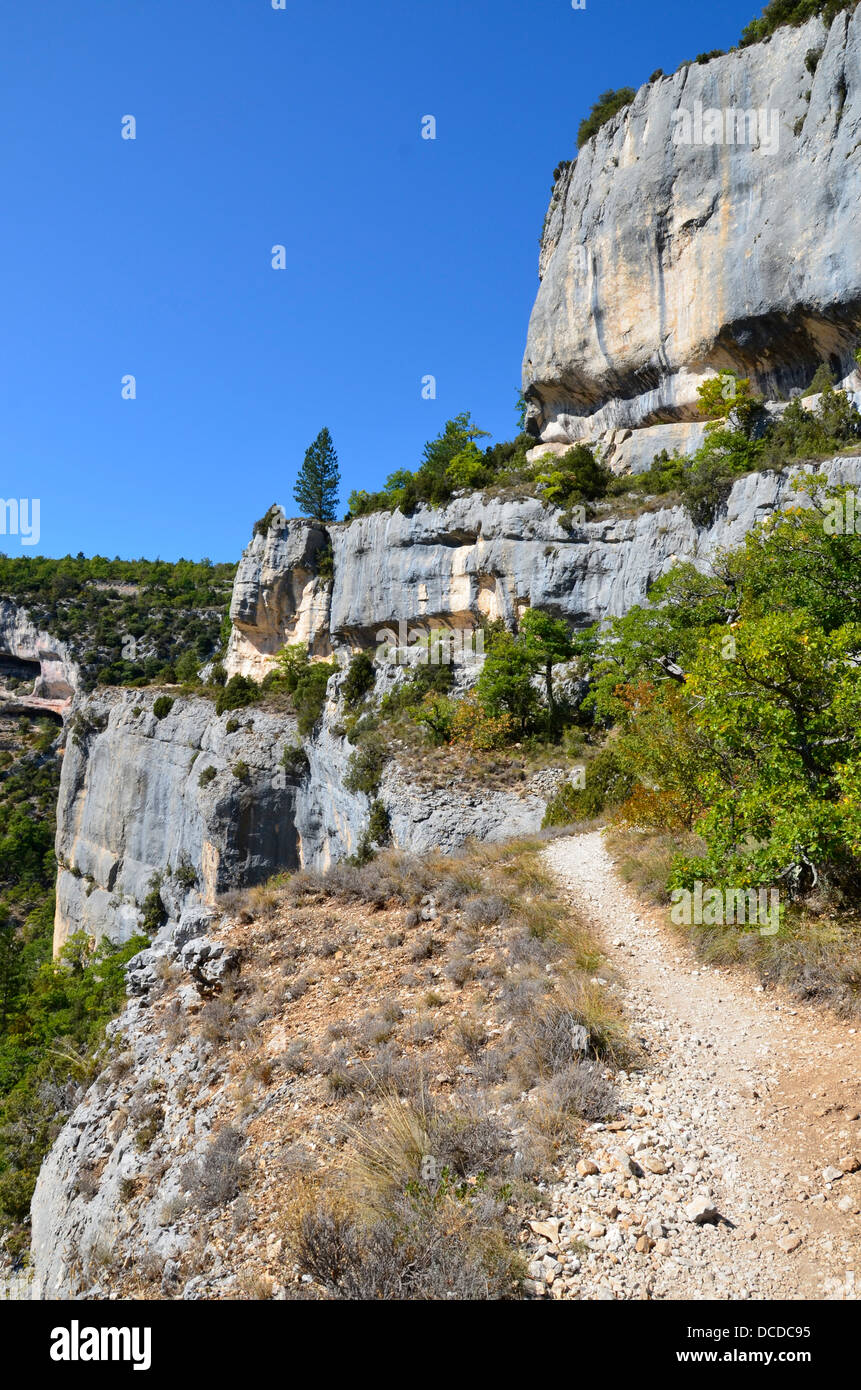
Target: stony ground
[{"x": 733, "y": 1172}]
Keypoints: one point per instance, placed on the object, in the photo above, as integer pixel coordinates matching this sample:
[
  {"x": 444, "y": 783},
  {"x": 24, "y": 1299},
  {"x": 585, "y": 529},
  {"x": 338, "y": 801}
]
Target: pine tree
[{"x": 316, "y": 489}]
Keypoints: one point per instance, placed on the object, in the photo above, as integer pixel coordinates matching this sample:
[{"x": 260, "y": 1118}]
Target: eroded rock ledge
[{"x": 663, "y": 262}]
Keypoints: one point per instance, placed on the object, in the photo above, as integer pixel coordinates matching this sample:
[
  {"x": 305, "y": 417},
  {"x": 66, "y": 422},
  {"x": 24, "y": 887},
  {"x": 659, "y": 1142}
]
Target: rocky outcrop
[
  {"x": 46, "y": 675},
  {"x": 279, "y": 596},
  {"x": 81, "y": 1208},
  {"x": 189, "y": 807},
  {"x": 179, "y": 798},
  {"x": 487, "y": 557},
  {"x": 664, "y": 261}
]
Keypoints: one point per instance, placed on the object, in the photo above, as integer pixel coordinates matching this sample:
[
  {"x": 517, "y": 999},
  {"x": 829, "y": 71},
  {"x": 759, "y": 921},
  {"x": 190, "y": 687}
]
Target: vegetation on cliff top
[
  {"x": 127, "y": 622},
  {"x": 776, "y": 15},
  {"x": 604, "y": 109},
  {"x": 453, "y": 462},
  {"x": 791, "y": 12},
  {"x": 741, "y": 437}
]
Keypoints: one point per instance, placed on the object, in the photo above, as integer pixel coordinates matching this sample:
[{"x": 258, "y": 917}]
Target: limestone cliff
[
  {"x": 742, "y": 256},
  {"x": 44, "y": 671},
  {"x": 190, "y": 807},
  {"x": 204, "y": 801},
  {"x": 279, "y": 595},
  {"x": 143, "y": 798}
]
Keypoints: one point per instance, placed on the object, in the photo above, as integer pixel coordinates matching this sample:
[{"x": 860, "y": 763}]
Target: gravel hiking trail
[{"x": 733, "y": 1172}]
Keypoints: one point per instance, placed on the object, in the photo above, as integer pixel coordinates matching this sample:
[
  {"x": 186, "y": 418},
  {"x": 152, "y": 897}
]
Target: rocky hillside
[
  {"x": 394, "y": 1040},
  {"x": 743, "y": 256}
]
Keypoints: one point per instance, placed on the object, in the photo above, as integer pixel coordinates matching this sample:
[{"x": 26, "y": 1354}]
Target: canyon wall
[
  {"x": 203, "y": 800},
  {"x": 44, "y": 669},
  {"x": 663, "y": 262}
]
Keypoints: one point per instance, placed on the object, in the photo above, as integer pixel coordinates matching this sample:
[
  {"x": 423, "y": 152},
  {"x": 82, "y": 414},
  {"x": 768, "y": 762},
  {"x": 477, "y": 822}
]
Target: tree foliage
[
  {"x": 603, "y": 110},
  {"x": 319, "y": 479},
  {"x": 736, "y": 697}
]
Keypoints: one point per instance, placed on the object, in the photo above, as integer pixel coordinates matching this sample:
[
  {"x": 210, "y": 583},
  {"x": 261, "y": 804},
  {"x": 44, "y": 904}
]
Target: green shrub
[
  {"x": 505, "y": 684},
  {"x": 152, "y": 907},
  {"x": 359, "y": 679},
  {"x": 263, "y": 526},
  {"x": 241, "y": 771},
  {"x": 306, "y": 681},
  {"x": 607, "y": 784},
  {"x": 379, "y": 828},
  {"x": 665, "y": 473},
  {"x": 82, "y": 726},
  {"x": 792, "y": 12},
  {"x": 823, "y": 380},
  {"x": 185, "y": 874},
  {"x": 365, "y": 765},
  {"x": 207, "y": 775},
  {"x": 576, "y": 477},
  {"x": 325, "y": 562},
  {"x": 236, "y": 694},
  {"x": 295, "y": 759},
  {"x": 604, "y": 109},
  {"x": 187, "y": 667},
  {"x": 162, "y": 706}
]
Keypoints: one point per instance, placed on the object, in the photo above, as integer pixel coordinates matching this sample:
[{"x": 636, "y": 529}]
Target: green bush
[
  {"x": 207, "y": 775},
  {"x": 306, "y": 681},
  {"x": 295, "y": 759},
  {"x": 152, "y": 907},
  {"x": 263, "y": 526},
  {"x": 162, "y": 706},
  {"x": 792, "y": 12},
  {"x": 604, "y": 109},
  {"x": 365, "y": 765},
  {"x": 241, "y": 771},
  {"x": 607, "y": 784},
  {"x": 359, "y": 679},
  {"x": 665, "y": 474},
  {"x": 185, "y": 874},
  {"x": 238, "y": 693},
  {"x": 505, "y": 684},
  {"x": 576, "y": 477},
  {"x": 379, "y": 828},
  {"x": 374, "y": 837}
]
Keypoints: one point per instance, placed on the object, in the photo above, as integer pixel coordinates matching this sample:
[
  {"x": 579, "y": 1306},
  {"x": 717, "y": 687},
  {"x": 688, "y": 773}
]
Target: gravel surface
[{"x": 733, "y": 1172}]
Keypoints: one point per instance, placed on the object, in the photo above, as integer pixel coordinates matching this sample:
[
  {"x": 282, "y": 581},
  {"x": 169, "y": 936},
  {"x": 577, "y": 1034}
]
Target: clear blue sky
[{"x": 256, "y": 127}]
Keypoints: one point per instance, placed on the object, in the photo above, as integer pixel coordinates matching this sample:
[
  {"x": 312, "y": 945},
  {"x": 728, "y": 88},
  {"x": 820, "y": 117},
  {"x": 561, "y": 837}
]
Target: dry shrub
[
  {"x": 580, "y": 1091},
  {"x": 401, "y": 1230},
  {"x": 215, "y": 1179}
]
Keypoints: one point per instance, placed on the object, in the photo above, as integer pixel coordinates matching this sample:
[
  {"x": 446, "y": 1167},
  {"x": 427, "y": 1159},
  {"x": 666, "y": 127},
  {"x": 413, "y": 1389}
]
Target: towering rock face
[
  {"x": 492, "y": 558},
  {"x": 179, "y": 799},
  {"x": 663, "y": 261},
  {"x": 279, "y": 596}
]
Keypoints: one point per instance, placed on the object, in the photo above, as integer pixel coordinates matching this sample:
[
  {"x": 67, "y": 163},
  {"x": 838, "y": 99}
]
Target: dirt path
[{"x": 748, "y": 1100}]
